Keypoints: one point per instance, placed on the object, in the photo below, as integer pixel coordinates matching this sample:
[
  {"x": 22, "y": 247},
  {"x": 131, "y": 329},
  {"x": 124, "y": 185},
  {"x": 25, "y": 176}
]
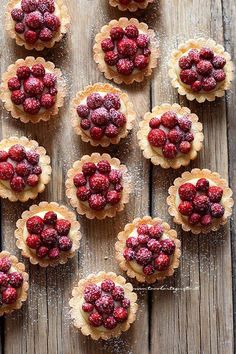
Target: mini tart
[
  {"x": 217, "y": 73},
  {"x": 117, "y": 182},
  {"x": 111, "y": 131},
  {"x": 34, "y": 111},
  {"x": 40, "y": 167},
  {"x": 54, "y": 31},
  {"x": 131, "y": 5},
  {"x": 164, "y": 247},
  {"x": 150, "y": 58},
  {"x": 185, "y": 149},
  {"x": 14, "y": 292},
  {"x": 127, "y": 300},
  {"x": 213, "y": 211},
  {"x": 62, "y": 213}
]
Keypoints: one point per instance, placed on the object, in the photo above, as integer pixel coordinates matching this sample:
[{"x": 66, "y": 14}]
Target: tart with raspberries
[
  {"x": 98, "y": 186},
  {"x": 200, "y": 201},
  {"x": 103, "y": 305},
  {"x": 126, "y": 50},
  {"x": 24, "y": 169},
  {"x": 148, "y": 250},
  {"x": 37, "y": 24},
  {"x": 131, "y": 5},
  {"x": 48, "y": 234},
  {"x": 170, "y": 136},
  {"x": 102, "y": 114},
  {"x": 13, "y": 283},
  {"x": 201, "y": 70},
  {"x": 32, "y": 89}
]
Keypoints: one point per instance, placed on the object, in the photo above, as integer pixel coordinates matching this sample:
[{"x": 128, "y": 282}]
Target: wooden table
[{"x": 191, "y": 313}]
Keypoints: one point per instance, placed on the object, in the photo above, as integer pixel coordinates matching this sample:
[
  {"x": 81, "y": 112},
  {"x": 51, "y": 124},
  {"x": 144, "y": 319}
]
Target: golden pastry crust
[
  {"x": 226, "y": 201},
  {"x": 132, "y": 6},
  {"x": 75, "y": 234},
  {"x": 82, "y": 208},
  {"x": 126, "y": 267},
  {"x": 109, "y": 73},
  {"x": 100, "y": 87},
  {"x": 39, "y": 45},
  {"x": 22, "y": 292},
  {"x": 80, "y": 322},
  {"x": 159, "y": 159},
  {"x": 44, "y": 162},
  {"x": 16, "y": 112},
  {"x": 183, "y": 89}
]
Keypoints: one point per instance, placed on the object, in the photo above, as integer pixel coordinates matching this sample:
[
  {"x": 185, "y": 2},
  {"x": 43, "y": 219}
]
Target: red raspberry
[
  {"x": 206, "y": 220},
  {"x": 99, "y": 182},
  {"x": 45, "y": 35},
  {"x": 194, "y": 219},
  {"x": 23, "y": 72},
  {"x": 15, "y": 279},
  {"x": 154, "y": 246},
  {"x": 193, "y": 54},
  {"x": 131, "y": 31},
  {"x": 54, "y": 253},
  {"x": 143, "y": 239},
  {"x": 33, "y": 241},
  {"x": 110, "y": 322},
  {"x": 97, "y": 202},
  {"x": 218, "y": 62},
  {"x": 189, "y": 137},
  {"x": 46, "y": 5},
  {"x": 17, "y": 15},
  {"x": 184, "y": 147},
  {"x": 141, "y": 61},
  {"x": 105, "y": 305},
  {"x": 37, "y": 170},
  {"x": 157, "y": 137},
  {"x": 219, "y": 75},
  {"x": 196, "y": 86},
  {"x": 3, "y": 279},
  {"x": 104, "y": 166},
  {"x": 22, "y": 169},
  {"x": 208, "y": 84},
  {"x": 17, "y": 152},
  {"x": 111, "y": 58},
  {"x": 168, "y": 246},
  {"x": 5, "y": 265},
  {"x": 142, "y": 41},
  {"x": 185, "y": 63},
  {"x": 33, "y": 86},
  {"x": 49, "y": 80},
  {"x": 35, "y": 225},
  {"x": 143, "y": 256},
  {"x": 107, "y": 285},
  {"x": 14, "y": 84},
  {"x": 113, "y": 197},
  {"x": 51, "y": 21},
  {"x": 154, "y": 123},
  {"x": 169, "y": 151},
  {"x": 64, "y": 243},
  {"x": 169, "y": 119},
  {"x": 146, "y": 52},
  {"x": 50, "y": 218},
  {"x": 143, "y": 229},
  {"x": 156, "y": 231},
  {"x": 49, "y": 236},
  {"x": 30, "y": 36},
  {"x": 29, "y": 5},
  {"x": 128, "y": 254},
  {"x": 63, "y": 227},
  {"x": 18, "y": 97},
  {"x": 42, "y": 252},
  {"x": 100, "y": 116},
  {"x": 31, "y": 105},
  {"x": 3, "y": 156},
  {"x": 95, "y": 319},
  {"x": 202, "y": 185},
  {"x": 185, "y": 208},
  {"x": 111, "y": 131},
  {"x": 111, "y": 100},
  {"x": 217, "y": 210},
  {"x": 215, "y": 194},
  {"x": 148, "y": 269},
  {"x": 79, "y": 180},
  {"x": 175, "y": 136},
  {"x": 188, "y": 76},
  {"x": 9, "y": 295},
  {"x": 125, "y": 66},
  {"x": 85, "y": 124},
  {"x": 115, "y": 176},
  {"x": 118, "y": 187},
  {"x": 89, "y": 168},
  {"x": 204, "y": 67},
  {"x": 185, "y": 123},
  {"x": 120, "y": 314},
  {"x": 132, "y": 242},
  {"x": 6, "y": 171},
  {"x": 118, "y": 293},
  {"x": 107, "y": 45},
  {"x": 95, "y": 100},
  {"x": 19, "y": 28},
  {"x": 34, "y": 20},
  {"x": 83, "y": 111},
  {"x": 206, "y": 53},
  {"x": 87, "y": 307},
  {"x": 201, "y": 203},
  {"x": 96, "y": 133},
  {"x": 116, "y": 33},
  {"x": 47, "y": 100},
  {"x": 117, "y": 118},
  {"x": 161, "y": 262},
  {"x": 33, "y": 157},
  {"x": 17, "y": 184},
  {"x": 92, "y": 292}
]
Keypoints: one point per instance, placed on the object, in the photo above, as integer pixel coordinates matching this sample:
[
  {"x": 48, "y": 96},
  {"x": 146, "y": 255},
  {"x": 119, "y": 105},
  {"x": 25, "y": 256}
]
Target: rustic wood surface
[{"x": 191, "y": 313}]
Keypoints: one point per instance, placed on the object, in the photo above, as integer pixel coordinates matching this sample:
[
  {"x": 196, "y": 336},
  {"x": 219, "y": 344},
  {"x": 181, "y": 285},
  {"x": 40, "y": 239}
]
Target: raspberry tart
[
  {"x": 103, "y": 305},
  {"x": 98, "y": 186},
  {"x": 201, "y": 70},
  {"x": 13, "y": 283},
  {"x": 102, "y": 114},
  {"x": 148, "y": 250},
  {"x": 126, "y": 50},
  {"x": 170, "y": 136},
  {"x": 200, "y": 201},
  {"x": 48, "y": 234},
  {"x": 24, "y": 169},
  {"x": 131, "y": 5},
  {"x": 32, "y": 89},
  {"x": 37, "y": 24}
]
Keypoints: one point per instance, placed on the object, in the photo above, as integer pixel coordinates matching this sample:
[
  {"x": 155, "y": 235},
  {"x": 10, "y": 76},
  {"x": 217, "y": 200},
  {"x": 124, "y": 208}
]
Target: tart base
[
  {"x": 81, "y": 323},
  {"x": 132, "y": 7},
  {"x": 125, "y": 266},
  {"x": 182, "y": 159}
]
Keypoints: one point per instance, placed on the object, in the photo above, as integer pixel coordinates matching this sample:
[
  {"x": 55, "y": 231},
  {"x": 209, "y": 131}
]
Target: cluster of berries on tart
[
  {"x": 201, "y": 69},
  {"x": 105, "y": 304},
  {"x": 101, "y": 115},
  {"x": 99, "y": 185},
  {"x": 200, "y": 202},
  {"x": 35, "y": 20},
  {"x": 171, "y": 133},
  {"x": 33, "y": 88},
  {"x": 48, "y": 236},
  {"x": 150, "y": 249},
  {"x": 126, "y": 49},
  {"x": 20, "y": 167},
  {"x": 10, "y": 281}
]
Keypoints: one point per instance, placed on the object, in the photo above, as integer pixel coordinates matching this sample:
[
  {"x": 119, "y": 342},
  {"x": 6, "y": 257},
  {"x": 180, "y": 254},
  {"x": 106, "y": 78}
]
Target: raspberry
[
  {"x": 3, "y": 156},
  {"x": 208, "y": 84},
  {"x": 51, "y": 21},
  {"x": 154, "y": 246},
  {"x": 117, "y": 118},
  {"x": 17, "y": 152},
  {"x": 45, "y": 35},
  {"x": 42, "y": 251},
  {"x": 95, "y": 319},
  {"x": 3, "y": 279},
  {"x": 217, "y": 210},
  {"x": 35, "y": 225},
  {"x": 111, "y": 131},
  {"x": 110, "y": 322},
  {"x": 141, "y": 61},
  {"x": 142, "y": 41},
  {"x": 185, "y": 123},
  {"x": 143, "y": 239},
  {"x": 204, "y": 67},
  {"x": 196, "y": 86},
  {"x": 37, "y": 170},
  {"x": 107, "y": 285},
  {"x": 206, "y": 53},
  {"x": 175, "y": 136},
  {"x": 113, "y": 197},
  {"x": 215, "y": 194},
  {"x": 47, "y": 100},
  {"x": 49, "y": 236},
  {"x": 167, "y": 246},
  {"x": 30, "y": 36},
  {"x": 31, "y": 105},
  {"x": 89, "y": 168},
  {"x": 189, "y": 137},
  {"x": 131, "y": 31},
  {"x": 161, "y": 262},
  {"x": 132, "y": 242},
  {"x": 185, "y": 63},
  {"x": 202, "y": 185},
  {"x": 105, "y": 305},
  {"x": 107, "y": 45},
  {"x": 83, "y": 111},
  {"x": 92, "y": 292},
  {"x": 99, "y": 182},
  {"x": 97, "y": 202},
  {"x": 188, "y": 76},
  {"x": 218, "y": 62},
  {"x": 120, "y": 314},
  {"x": 185, "y": 208},
  {"x": 206, "y": 220},
  {"x": 143, "y": 256},
  {"x": 143, "y": 229},
  {"x": 6, "y": 171},
  {"x": 87, "y": 307},
  {"x": 5, "y": 265},
  {"x": 103, "y": 166},
  {"x": 128, "y": 254},
  {"x": 115, "y": 176},
  {"x": 219, "y": 75},
  {"x": 9, "y": 295},
  {"x": 187, "y": 191},
  {"x": 64, "y": 243},
  {"x": 29, "y": 5},
  {"x": 49, "y": 80},
  {"x": 111, "y": 58},
  {"x": 116, "y": 33},
  {"x": 14, "y": 84},
  {"x": 193, "y": 54},
  {"x": 79, "y": 180},
  {"x": 19, "y": 27},
  {"x": 54, "y": 253},
  {"x": 94, "y": 100},
  {"x": 18, "y": 97},
  {"x": 156, "y": 231},
  {"x": 63, "y": 226},
  {"x": 184, "y": 147},
  {"x": 17, "y": 184},
  {"x": 15, "y": 279},
  {"x": 85, "y": 124},
  {"x": 148, "y": 269},
  {"x": 46, "y": 5},
  {"x": 34, "y": 20},
  {"x": 33, "y": 86},
  {"x": 33, "y": 241},
  {"x": 118, "y": 293},
  {"x": 50, "y": 218},
  {"x": 201, "y": 203},
  {"x": 146, "y": 52},
  {"x": 194, "y": 219},
  {"x": 100, "y": 116},
  {"x": 125, "y": 66},
  {"x": 169, "y": 151},
  {"x": 157, "y": 137},
  {"x": 154, "y": 123},
  {"x": 97, "y": 133},
  {"x": 111, "y": 100},
  {"x": 119, "y": 187},
  {"x": 17, "y": 15},
  {"x": 22, "y": 169},
  {"x": 169, "y": 119},
  {"x": 32, "y": 180}
]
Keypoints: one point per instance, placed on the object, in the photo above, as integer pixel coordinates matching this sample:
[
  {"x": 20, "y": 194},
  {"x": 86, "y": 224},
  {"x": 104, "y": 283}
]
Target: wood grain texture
[{"x": 197, "y": 317}]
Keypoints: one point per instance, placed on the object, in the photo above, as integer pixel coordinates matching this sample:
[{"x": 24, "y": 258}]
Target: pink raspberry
[
  {"x": 111, "y": 131},
  {"x": 185, "y": 208},
  {"x": 113, "y": 197},
  {"x": 154, "y": 246},
  {"x": 116, "y": 33},
  {"x": 23, "y": 72},
  {"x": 96, "y": 133},
  {"x": 115, "y": 176},
  {"x": 194, "y": 219},
  {"x": 132, "y": 242},
  {"x": 87, "y": 307},
  {"x": 99, "y": 182},
  {"x": 83, "y": 193},
  {"x": 107, "y": 285},
  {"x": 217, "y": 210},
  {"x": 111, "y": 100},
  {"x": 219, "y": 75},
  {"x": 202, "y": 185},
  {"x": 157, "y": 137},
  {"x": 85, "y": 124},
  {"x": 218, "y": 62},
  {"x": 64, "y": 243},
  {"x": 118, "y": 293},
  {"x": 54, "y": 253},
  {"x": 31, "y": 105},
  {"x": 189, "y": 137},
  {"x": 51, "y": 21},
  {"x": 63, "y": 226},
  {"x": 79, "y": 180},
  {"x": 33, "y": 86},
  {"x": 156, "y": 231},
  {"x": 175, "y": 136},
  {"x": 47, "y": 100},
  {"x": 34, "y": 20},
  {"x": 83, "y": 111},
  {"x": 92, "y": 293},
  {"x": 148, "y": 269},
  {"x": 14, "y": 84},
  {"x": 128, "y": 254},
  {"x": 35, "y": 225},
  {"x": 17, "y": 184},
  {"x": 105, "y": 305},
  {"x": 143, "y": 256},
  {"x": 196, "y": 86},
  {"x": 143, "y": 239},
  {"x": 117, "y": 118},
  {"x": 185, "y": 63},
  {"x": 206, "y": 53},
  {"x": 6, "y": 171},
  {"x": 9, "y": 295},
  {"x": 208, "y": 84},
  {"x": 111, "y": 58},
  {"x": 185, "y": 123},
  {"x": 188, "y": 76},
  {"x": 161, "y": 262},
  {"x": 193, "y": 54},
  {"x": 204, "y": 67},
  {"x": 95, "y": 319},
  {"x": 141, "y": 61},
  {"x": 49, "y": 80},
  {"x": 201, "y": 203},
  {"x": 169, "y": 119},
  {"x": 17, "y": 15},
  {"x": 131, "y": 31},
  {"x": 187, "y": 191},
  {"x": 17, "y": 152},
  {"x": 143, "y": 229},
  {"x": 15, "y": 279},
  {"x": 89, "y": 168},
  {"x": 107, "y": 45},
  {"x": 29, "y": 5},
  {"x": 30, "y": 36},
  {"x": 206, "y": 220},
  {"x": 95, "y": 100},
  {"x": 184, "y": 147},
  {"x": 33, "y": 241},
  {"x": 5, "y": 265},
  {"x": 18, "y": 97},
  {"x": 22, "y": 169},
  {"x": 46, "y": 6},
  {"x": 100, "y": 116},
  {"x": 142, "y": 41},
  {"x": 110, "y": 322},
  {"x": 3, "y": 279},
  {"x": 49, "y": 236},
  {"x": 167, "y": 246},
  {"x": 120, "y": 314},
  {"x": 19, "y": 28},
  {"x": 42, "y": 252},
  {"x": 169, "y": 151},
  {"x": 103, "y": 166},
  {"x": 125, "y": 66},
  {"x": 215, "y": 194},
  {"x": 97, "y": 202},
  {"x": 37, "y": 170},
  {"x": 45, "y": 34}
]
